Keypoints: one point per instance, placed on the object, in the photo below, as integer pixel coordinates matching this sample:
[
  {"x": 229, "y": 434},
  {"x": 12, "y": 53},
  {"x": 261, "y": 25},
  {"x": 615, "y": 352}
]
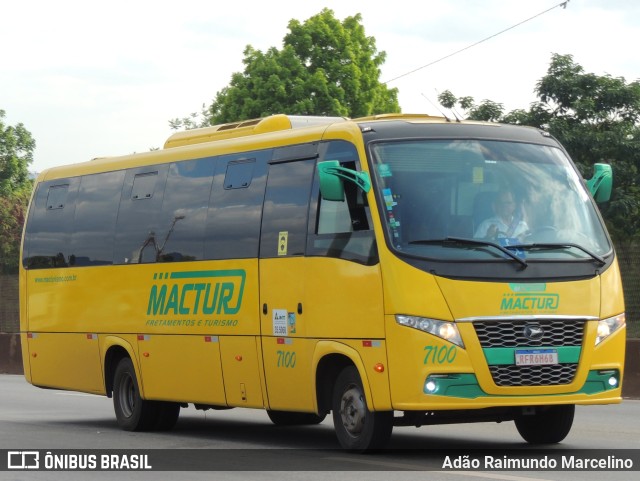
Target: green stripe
[
  {"x": 466, "y": 386},
  {"x": 506, "y": 355},
  {"x": 200, "y": 274}
]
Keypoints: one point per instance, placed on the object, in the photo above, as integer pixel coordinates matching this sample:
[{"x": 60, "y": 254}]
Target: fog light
[
  {"x": 613, "y": 381},
  {"x": 430, "y": 386}
]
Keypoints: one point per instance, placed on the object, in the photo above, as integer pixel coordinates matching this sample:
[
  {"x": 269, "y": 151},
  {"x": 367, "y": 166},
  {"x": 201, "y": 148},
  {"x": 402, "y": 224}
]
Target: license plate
[{"x": 536, "y": 357}]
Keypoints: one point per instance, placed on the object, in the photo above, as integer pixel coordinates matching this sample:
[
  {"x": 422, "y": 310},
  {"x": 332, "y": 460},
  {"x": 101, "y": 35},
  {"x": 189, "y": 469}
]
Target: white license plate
[{"x": 536, "y": 357}]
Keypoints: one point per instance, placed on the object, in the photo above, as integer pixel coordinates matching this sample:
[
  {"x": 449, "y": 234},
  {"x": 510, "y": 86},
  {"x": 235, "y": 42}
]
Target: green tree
[
  {"x": 13, "y": 209},
  {"x": 326, "y": 67},
  {"x": 596, "y": 117},
  {"x": 16, "y": 153}
]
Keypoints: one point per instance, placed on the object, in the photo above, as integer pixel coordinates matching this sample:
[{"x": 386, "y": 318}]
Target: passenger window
[
  {"x": 181, "y": 232},
  {"x": 95, "y": 219},
  {"x": 235, "y": 208},
  {"x": 239, "y": 174},
  {"x": 139, "y": 216},
  {"x": 57, "y": 197},
  {"x": 286, "y": 207},
  {"x": 144, "y": 185},
  {"x": 48, "y": 230}
]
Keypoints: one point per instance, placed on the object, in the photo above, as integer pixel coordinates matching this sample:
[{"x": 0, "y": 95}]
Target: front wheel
[
  {"x": 357, "y": 428},
  {"x": 548, "y": 425}
]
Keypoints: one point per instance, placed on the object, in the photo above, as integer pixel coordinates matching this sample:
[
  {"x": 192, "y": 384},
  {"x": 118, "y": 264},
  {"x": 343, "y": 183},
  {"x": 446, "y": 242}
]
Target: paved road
[{"x": 38, "y": 419}]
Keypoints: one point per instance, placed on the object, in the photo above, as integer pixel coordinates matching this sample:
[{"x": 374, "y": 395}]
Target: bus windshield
[{"x": 485, "y": 200}]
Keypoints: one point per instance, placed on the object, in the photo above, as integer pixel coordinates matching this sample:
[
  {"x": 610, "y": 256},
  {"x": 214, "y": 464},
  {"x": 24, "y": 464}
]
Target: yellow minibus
[{"x": 395, "y": 270}]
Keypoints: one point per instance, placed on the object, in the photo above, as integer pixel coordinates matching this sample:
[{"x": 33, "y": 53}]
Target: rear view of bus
[{"x": 502, "y": 293}]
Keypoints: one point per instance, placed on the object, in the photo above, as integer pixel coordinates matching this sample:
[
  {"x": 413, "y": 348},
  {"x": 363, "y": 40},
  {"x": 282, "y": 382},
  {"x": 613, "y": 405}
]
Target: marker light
[
  {"x": 606, "y": 327},
  {"x": 443, "y": 329}
]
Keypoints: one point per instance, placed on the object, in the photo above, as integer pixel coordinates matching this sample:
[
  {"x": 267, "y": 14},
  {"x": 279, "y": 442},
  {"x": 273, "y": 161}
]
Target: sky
[{"x": 91, "y": 79}]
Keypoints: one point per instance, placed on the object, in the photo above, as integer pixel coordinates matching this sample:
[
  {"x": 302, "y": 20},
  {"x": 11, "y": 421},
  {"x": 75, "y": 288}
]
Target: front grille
[
  {"x": 510, "y": 333},
  {"x": 554, "y": 375}
]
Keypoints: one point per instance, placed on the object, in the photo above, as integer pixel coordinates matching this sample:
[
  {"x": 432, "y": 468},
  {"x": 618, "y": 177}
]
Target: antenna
[
  {"x": 451, "y": 109},
  {"x": 438, "y": 109}
]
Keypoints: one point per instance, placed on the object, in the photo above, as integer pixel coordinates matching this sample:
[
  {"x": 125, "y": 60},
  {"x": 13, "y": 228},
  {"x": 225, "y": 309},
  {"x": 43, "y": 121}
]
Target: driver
[{"x": 506, "y": 222}]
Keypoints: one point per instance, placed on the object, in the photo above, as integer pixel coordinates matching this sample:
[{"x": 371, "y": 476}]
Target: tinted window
[
  {"x": 181, "y": 228},
  {"x": 286, "y": 206},
  {"x": 47, "y": 236},
  {"x": 57, "y": 197},
  {"x": 239, "y": 174},
  {"x": 342, "y": 229},
  {"x": 144, "y": 185},
  {"x": 139, "y": 217},
  {"x": 233, "y": 224},
  {"x": 95, "y": 219}
]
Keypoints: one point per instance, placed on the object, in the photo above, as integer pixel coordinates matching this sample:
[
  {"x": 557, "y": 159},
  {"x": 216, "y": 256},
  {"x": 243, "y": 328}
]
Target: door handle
[
  {"x": 299, "y": 307},
  {"x": 265, "y": 309}
]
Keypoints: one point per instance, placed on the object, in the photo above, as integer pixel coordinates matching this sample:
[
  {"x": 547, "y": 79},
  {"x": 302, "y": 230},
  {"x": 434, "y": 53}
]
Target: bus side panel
[
  {"x": 239, "y": 356},
  {"x": 343, "y": 299},
  {"x": 26, "y": 359},
  {"x": 182, "y": 368},
  {"x": 66, "y": 361},
  {"x": 288, "y": 370},
  {"x": 62, "y": 354}
]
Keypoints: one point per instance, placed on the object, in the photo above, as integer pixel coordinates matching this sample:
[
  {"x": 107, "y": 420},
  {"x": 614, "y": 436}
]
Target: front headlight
[
  {"x": 443, "y": 329},
  {"x": 606, "y": 327}
]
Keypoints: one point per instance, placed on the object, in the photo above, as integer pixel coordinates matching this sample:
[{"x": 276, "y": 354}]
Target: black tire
[
  {"x": 132, "y": 412},
  {"x": 548, "y": 425},
  {"x": 168, "y": 413},
  {"x": 357, "y": 428},
  {"x": 290, "y": 418}
]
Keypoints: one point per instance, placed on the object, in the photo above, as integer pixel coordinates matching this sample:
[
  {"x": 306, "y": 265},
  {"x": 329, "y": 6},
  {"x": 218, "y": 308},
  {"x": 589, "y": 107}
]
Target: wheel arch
[
  {"x": 116, "y": 349},
  {"x": 330, "y": 358}
]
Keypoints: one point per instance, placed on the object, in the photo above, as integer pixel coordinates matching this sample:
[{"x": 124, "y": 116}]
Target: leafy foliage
[
  {"x": 13, "y": 211},
  {"x": 596, "y": 118},
  {"x": 16, "y": 153},
  {"x": 326, "y": 67}
]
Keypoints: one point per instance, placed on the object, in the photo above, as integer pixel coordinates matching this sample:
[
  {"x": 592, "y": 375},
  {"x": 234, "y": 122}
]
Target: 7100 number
[
  {"x": 440, "y": 354},
  {"x": 286, "y": 359}
]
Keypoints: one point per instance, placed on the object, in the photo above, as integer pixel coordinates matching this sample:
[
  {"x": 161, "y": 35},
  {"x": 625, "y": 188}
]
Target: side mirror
[
  {"x": 332, "y": 175},
  {"x": 601, "y": 183}
]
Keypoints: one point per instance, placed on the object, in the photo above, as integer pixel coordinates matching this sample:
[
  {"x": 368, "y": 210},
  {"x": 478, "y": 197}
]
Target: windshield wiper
[
  {"x": 561, "y": 245},
  {"x": 474, "y": 242}
]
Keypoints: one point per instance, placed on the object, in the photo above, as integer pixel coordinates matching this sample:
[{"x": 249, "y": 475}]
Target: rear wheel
[
  {"x": 132, "y": 412},
  {"x": 168, "y": 414},
  {"x": 357, "y": 428},
  {"x": 548, "y": 425},
  {"x": 290, "y": 418}
]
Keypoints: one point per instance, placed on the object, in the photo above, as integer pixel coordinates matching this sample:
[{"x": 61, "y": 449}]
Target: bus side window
[
  {"x": 235, "y": 207},
  {"x": 47, "y": 234},
  {"x": 181, "y": 233},
  {"x": 336, "y": 217},
  {"x": 342, "y": 229},
  {"x": 94, "y": 223},
  {"x": 139, "y": 215},
  {"x": 286, "y": 207}
]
